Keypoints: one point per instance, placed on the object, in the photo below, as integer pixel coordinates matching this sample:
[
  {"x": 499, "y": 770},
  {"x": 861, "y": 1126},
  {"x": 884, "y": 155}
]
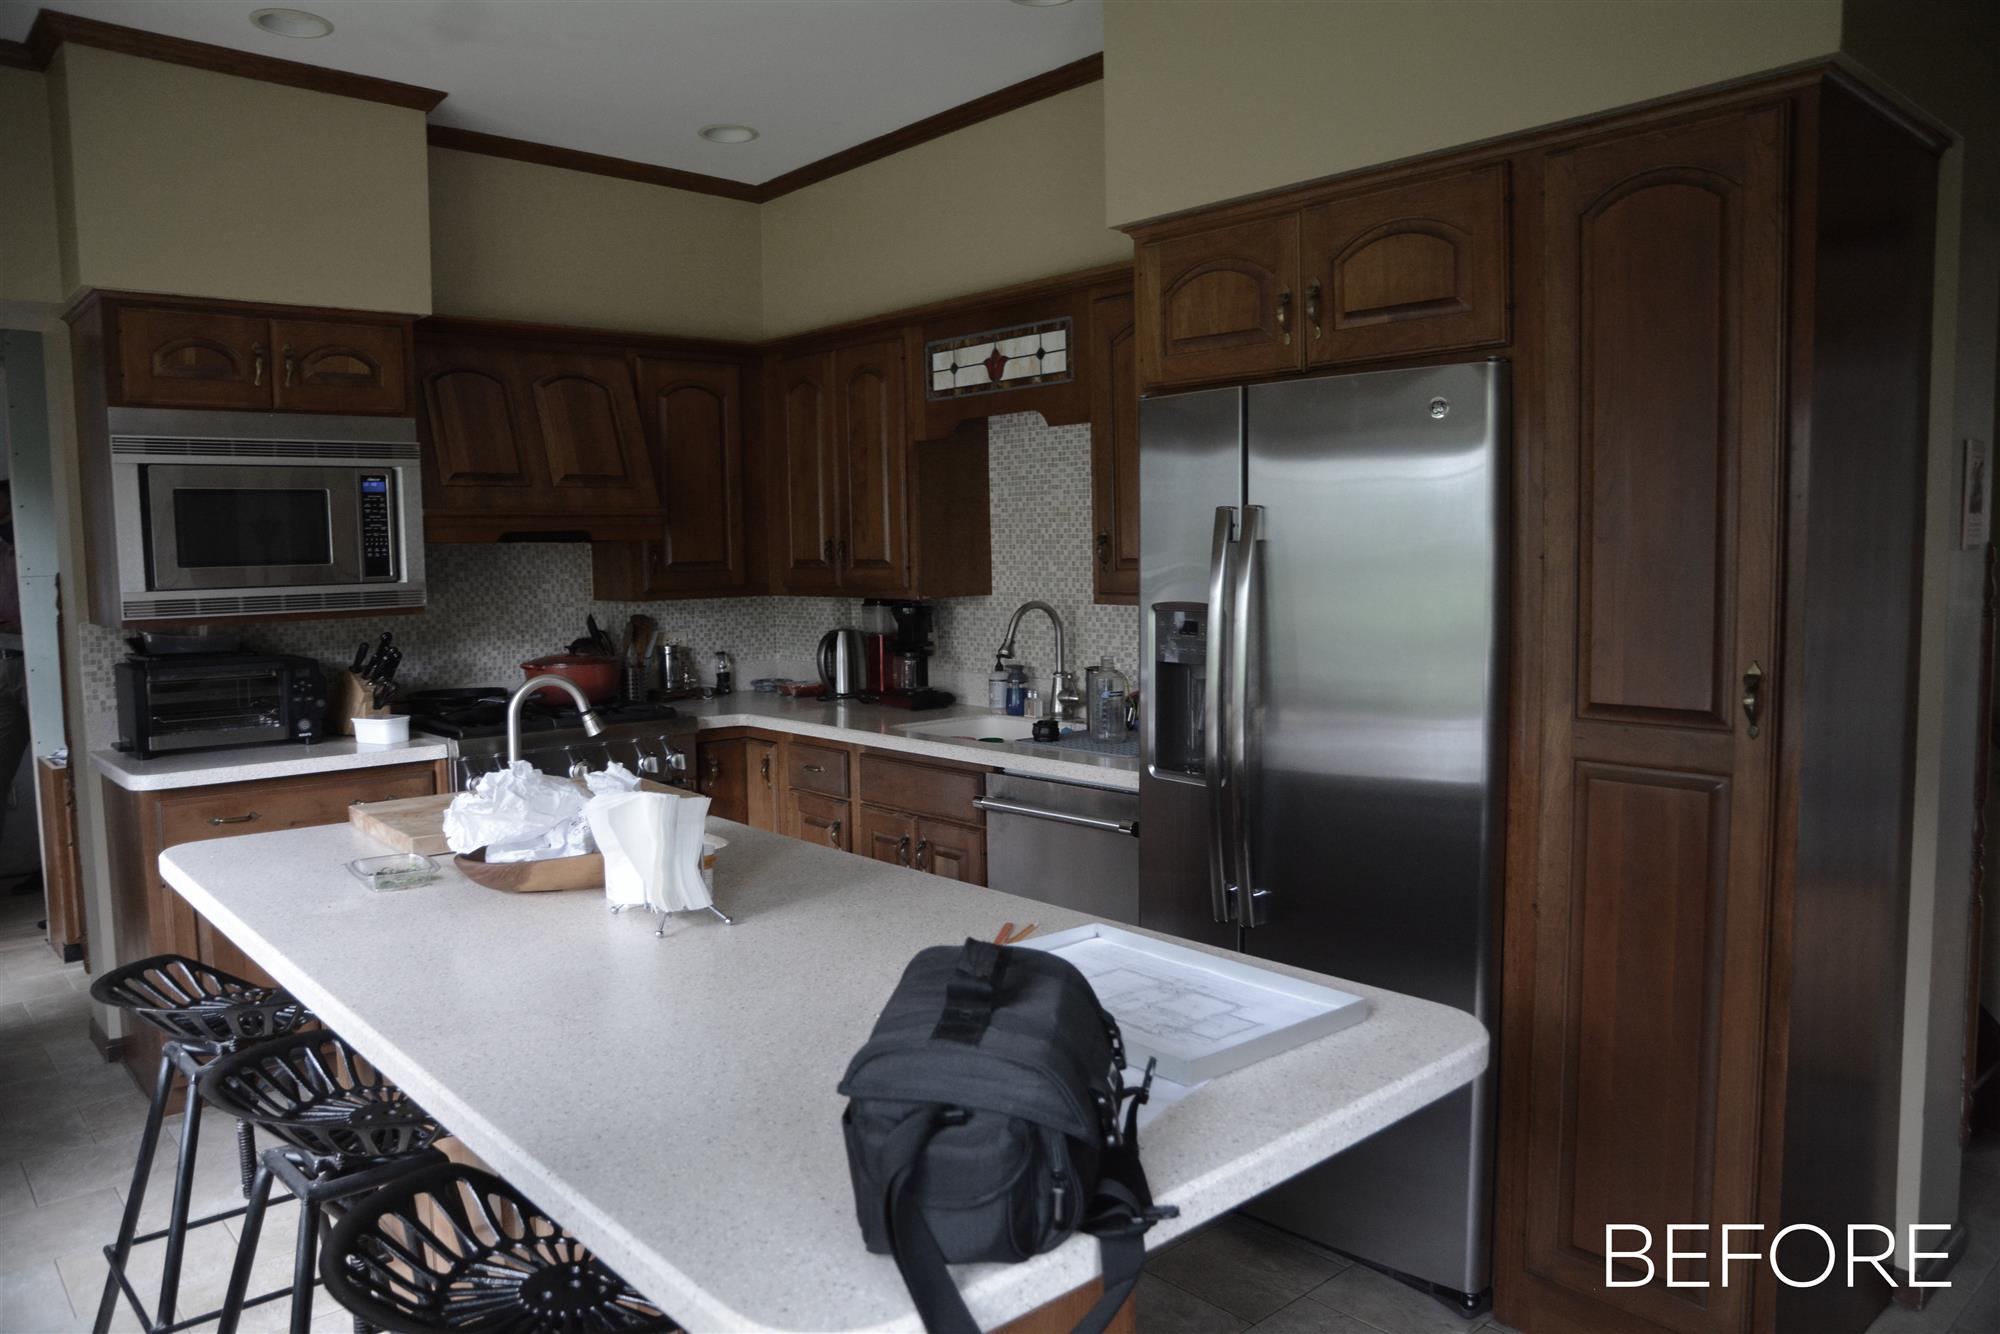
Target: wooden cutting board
[
  {"x": 416, "y": 824},
  {"x": 407, "y": 824}
]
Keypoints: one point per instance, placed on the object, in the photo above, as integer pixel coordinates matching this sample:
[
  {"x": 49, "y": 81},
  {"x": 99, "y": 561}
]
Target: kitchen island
[{"x": 672, "y": 1101}]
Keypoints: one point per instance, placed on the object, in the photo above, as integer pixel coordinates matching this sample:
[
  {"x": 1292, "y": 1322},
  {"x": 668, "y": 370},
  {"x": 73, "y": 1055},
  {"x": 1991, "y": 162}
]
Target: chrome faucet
[
  {"x": 591, "y": 725},
  {"x": 1063, "y": 700}
]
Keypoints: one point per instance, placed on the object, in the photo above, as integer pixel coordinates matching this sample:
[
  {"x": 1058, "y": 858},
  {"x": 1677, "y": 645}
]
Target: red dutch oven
[{"x": 595, "y": 676}]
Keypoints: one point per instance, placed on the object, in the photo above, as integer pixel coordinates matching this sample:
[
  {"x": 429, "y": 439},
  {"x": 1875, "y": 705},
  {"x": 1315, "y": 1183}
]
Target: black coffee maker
[{"x": 898, "y": 638}]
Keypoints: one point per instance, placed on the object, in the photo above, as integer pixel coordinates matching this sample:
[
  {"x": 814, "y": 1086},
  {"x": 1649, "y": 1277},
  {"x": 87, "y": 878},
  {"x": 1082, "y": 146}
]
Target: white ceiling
[{"x": 637, "y": 78}]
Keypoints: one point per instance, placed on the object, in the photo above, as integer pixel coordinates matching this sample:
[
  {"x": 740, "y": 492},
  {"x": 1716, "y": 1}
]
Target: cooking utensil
[
  {"x": 594, "y": 674},
  {"x": 360, "y": 658}
]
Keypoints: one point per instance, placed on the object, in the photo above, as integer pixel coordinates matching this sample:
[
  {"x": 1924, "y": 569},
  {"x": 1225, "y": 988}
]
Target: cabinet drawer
[
  {"x": 286, "y": 803},
  {"x": 922, "y": 789},
  {"x": 816, "y": 769}
]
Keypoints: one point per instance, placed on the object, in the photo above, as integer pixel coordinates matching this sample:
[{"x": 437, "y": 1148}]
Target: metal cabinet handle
[
  {"x": 257, "y": 364},
  {"x": 827, "y": 552},
  {"x": 833, "y": 833},
  {"x": 245, "y": 818},
  {"x": 1285, "y": 315},
  {"x": 764, "y": 769},
  {"x": 903, "y": 850},
  {"x": 814, "y": 768},
  {"x": 840, "y": 552},
  {"x": 1753, "y": 696},
  {"x": 1312, "y": 306},
  {"x": 1104, "y": 551},
  {"x": 288, "y": 365},
  {"x": 923, "y": 854}
]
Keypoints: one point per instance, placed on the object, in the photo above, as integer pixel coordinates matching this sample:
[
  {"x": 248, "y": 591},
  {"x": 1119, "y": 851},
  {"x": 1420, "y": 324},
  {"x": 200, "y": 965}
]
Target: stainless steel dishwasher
[{"x": 1063, "y": 843}]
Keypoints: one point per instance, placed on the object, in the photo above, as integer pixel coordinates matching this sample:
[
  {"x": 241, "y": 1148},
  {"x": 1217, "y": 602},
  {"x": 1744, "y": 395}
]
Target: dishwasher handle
[{"x": 1130, "y": 828}]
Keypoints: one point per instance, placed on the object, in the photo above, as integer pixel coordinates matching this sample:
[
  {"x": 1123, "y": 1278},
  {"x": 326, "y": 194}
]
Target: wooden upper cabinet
[
  {"x": 1220, "y": 303},
  {"x": 532, "y": 438},
  {"x": 871, "y": 545},
  {"x": 1114, "y": 448},
  {"x": 179, "y": 357},
  {"x": 175, "y": 356},
  {"x": 340, "y": 366},
  {"x": 811, "y": 473},
  {"x": 693, "y": 417},
  {"x": 1415, "y": 267}
]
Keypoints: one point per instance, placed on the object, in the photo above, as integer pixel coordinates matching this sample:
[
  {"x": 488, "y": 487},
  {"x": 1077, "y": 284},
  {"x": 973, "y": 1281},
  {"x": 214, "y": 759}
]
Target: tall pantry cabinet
[
  {"x": 1725, "y": 384},
  {"x": 1717, "y": 314}
]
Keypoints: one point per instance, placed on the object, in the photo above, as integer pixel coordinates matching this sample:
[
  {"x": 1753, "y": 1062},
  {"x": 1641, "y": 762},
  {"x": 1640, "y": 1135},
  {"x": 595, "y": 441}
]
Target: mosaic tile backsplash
[{"x": 492, "y": 606}]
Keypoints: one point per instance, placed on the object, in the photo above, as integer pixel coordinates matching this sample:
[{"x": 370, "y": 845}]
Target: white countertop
[
  {"x": 874, "y": 725},
  {"x": 672, "y": 1101},
  {"x": 248, "y": 763}
]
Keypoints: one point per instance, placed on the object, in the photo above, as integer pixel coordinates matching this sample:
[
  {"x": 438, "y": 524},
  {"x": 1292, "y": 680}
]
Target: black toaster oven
[{"x": 171, "y": 702}]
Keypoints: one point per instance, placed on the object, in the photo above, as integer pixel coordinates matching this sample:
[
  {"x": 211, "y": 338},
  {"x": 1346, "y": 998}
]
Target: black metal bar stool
[
  {"x": 452, "y": 1248},
  {"x": 345, "y": 1130},
  {"x": 205, "y": 1013}
]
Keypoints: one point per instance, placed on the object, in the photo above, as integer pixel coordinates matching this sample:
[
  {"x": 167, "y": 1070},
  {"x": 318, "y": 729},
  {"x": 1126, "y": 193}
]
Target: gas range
[{"x": 651, "y": 739}]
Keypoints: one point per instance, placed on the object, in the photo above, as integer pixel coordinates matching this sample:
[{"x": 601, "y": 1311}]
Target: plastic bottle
[
  {"x": 996, "y": 688},
  {"x": 1017, "y": 691},
  {"x": 1107, "y": 707}
]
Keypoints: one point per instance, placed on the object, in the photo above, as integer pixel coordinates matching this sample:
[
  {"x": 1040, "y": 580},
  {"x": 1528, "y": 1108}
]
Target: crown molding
[
  {"x": 52, "y": 28},
  {"x": 1011, "y": 98},
  {"x": 15, "y": 55},
  {"x": 548, "y": 155}
]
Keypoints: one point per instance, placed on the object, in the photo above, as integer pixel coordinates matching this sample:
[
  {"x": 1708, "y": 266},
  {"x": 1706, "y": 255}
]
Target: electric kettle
[{"x": 840, "y": 663}]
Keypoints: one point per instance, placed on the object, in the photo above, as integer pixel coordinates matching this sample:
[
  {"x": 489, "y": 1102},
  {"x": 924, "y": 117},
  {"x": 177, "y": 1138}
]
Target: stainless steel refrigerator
[{"x": 1320, "y": 593}]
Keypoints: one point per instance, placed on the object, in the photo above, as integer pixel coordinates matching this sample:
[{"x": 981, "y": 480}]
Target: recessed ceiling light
[
  {"x": 291, "y": 23},
  {"x": 728, "y": 134},
  {"x": 1041, "y": 4}
]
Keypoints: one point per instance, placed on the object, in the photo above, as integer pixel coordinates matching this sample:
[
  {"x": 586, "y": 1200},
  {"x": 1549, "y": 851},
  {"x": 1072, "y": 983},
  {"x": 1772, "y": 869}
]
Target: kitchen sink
[{"x": 987, "y": 727}]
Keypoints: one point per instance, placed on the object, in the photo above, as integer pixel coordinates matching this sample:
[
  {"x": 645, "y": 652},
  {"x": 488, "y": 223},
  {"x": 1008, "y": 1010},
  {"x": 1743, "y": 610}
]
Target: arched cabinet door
[
  {"x": 872, "y": 546},
  {"x": 693, "y": 418},
  {"x": 1220, "y": 303},
  {"x": 1418, "y": 267},
  {"x": 173, "y": 357},
  {"x": 337, "y": 366}
]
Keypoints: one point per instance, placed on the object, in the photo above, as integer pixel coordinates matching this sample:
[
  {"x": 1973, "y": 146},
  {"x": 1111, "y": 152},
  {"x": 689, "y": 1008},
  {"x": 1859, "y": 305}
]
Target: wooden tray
[{"x": 585, "y": 872}]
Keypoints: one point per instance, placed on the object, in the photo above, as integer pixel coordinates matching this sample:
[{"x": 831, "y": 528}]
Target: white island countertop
[{"x": 672, "y": 1101}]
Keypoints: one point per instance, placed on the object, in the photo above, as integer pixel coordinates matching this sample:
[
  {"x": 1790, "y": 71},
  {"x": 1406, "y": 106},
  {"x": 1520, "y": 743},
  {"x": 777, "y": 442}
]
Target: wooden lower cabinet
[
  {"x": 819, "y": 819},
  {"x": 739, "y": 774},
  {"x": 151, "y": 918},
  {"x": 886, "y": 806}
]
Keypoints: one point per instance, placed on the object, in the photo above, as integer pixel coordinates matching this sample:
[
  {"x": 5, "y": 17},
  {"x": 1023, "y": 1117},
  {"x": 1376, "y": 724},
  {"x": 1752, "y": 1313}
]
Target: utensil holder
[{"x": 351, "y": 698}]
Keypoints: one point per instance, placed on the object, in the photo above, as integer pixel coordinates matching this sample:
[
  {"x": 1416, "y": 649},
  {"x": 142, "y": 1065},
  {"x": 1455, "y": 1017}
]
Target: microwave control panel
[{"x": 378, "y": 559}]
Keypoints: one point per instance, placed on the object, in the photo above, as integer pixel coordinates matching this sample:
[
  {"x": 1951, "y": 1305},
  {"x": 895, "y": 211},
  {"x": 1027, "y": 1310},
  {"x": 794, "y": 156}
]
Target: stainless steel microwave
[{"x": 264, "y": 513}]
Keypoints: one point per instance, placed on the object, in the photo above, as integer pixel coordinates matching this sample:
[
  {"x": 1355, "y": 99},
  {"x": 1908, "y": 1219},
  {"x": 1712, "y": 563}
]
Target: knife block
[{"x": 350, "y": 699}]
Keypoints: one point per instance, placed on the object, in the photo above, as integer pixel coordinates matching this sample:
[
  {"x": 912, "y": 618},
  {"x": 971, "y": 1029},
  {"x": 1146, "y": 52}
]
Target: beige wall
[
  {"x": 30, "y": 268},
  {"x": 1004, "y": 201},
  {"x": 1206, "y": 100},
  {"x": 513, "y": 240},
  {"x": 180, "y": 180}
]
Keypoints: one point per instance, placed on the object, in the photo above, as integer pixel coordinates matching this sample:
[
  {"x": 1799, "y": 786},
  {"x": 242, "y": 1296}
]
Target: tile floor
[{"x": 69, "y": 1127}]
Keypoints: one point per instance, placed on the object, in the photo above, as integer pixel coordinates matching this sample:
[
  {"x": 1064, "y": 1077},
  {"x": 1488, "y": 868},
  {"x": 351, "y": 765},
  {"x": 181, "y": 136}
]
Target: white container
[{"x": 393, "y": 730}]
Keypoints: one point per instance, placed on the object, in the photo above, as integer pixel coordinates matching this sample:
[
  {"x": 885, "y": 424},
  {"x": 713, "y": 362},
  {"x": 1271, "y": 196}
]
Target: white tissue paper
[
  {"x": 652, "y": 846},
  {"x": 614, "y": 777},
  {"x": 519, "y": 814}
]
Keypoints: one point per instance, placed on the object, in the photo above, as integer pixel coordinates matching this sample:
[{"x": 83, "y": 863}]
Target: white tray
[{"x": 1202, "y": 1016}]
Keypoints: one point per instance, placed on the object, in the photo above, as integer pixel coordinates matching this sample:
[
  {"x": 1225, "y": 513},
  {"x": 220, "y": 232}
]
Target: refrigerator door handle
[
  {"x": 1252, "y": 904},
  {"x": 1221, "y": 828}
]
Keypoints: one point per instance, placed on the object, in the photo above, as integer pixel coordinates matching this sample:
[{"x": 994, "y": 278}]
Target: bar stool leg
[
  {"x": 170, "y": 1271},
  {"x": 303, "y": 1265},
  {"x": 128, "y": 1226},
  {"x": 246, "y": 1251}
]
